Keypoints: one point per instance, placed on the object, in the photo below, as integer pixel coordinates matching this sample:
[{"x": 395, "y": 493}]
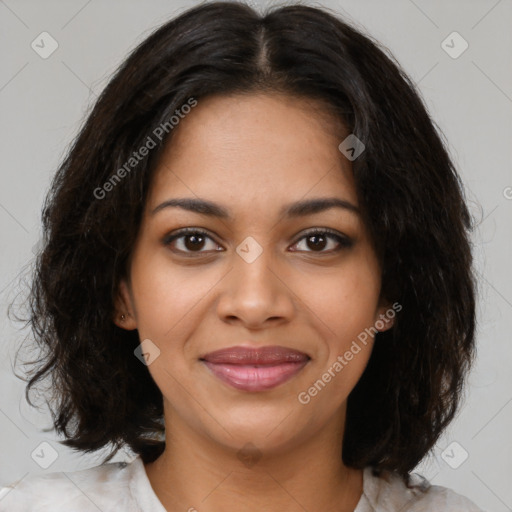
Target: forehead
[{"x": 256, "y": 147}]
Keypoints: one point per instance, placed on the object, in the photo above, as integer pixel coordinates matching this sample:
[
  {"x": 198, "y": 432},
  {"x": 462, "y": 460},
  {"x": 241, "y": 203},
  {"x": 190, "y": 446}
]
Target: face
[{"x": 258, "y": 275}]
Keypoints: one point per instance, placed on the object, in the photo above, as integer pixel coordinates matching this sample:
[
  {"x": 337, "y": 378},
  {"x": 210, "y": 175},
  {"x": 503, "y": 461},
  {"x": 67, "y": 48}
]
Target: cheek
[
  {"x": 344, "y": 303},
  {"x": 168, "y": 297},
  {"x": 343, "y": 306}
]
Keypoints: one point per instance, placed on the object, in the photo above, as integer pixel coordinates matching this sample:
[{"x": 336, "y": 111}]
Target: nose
[{"x": 255, "y": 294}]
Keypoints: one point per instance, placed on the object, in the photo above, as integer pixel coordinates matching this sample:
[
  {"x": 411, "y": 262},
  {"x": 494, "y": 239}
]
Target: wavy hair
[{"x": 412, "y": 200}]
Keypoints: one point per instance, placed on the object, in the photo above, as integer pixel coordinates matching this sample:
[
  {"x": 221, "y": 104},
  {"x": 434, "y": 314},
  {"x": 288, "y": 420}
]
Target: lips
[
  {"x": 261, "y": 355},
  {"x": 255, "y": 369}
]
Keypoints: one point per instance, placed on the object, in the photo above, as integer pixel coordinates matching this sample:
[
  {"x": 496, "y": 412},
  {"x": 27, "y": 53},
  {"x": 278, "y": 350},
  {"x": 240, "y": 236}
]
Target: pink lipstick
[{"x": 255, "y": 369}]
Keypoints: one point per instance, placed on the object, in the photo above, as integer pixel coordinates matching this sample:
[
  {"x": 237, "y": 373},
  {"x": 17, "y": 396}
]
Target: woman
[{"x": 256, "y": 276}]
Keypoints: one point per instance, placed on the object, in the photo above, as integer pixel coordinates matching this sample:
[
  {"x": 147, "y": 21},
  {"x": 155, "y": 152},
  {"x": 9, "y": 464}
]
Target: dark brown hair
[{"x": 410, "y": 192}]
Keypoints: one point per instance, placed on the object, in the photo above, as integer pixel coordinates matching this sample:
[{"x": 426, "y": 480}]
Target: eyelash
[{"x": 343, "y": 241}]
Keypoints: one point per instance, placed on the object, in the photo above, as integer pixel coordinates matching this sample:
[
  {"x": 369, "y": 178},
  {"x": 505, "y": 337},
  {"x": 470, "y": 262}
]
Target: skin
[{"x": 253, "y": 154}]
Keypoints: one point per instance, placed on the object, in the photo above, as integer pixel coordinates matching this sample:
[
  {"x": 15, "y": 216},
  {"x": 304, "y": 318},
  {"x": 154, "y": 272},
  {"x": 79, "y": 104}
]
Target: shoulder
[
  {"x": 389, "y": 493},
  {"x": 105, "y": 487}
]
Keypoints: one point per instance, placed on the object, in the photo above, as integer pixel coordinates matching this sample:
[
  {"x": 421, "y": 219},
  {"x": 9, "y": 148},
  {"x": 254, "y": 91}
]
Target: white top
[{"x": 125, "y": 487}]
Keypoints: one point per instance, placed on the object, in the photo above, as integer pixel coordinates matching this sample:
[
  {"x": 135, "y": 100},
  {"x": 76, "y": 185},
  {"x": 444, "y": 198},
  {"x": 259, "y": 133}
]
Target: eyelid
[
  {"x": 343, "y": 240},
  {"x": 170, "y": 237}
]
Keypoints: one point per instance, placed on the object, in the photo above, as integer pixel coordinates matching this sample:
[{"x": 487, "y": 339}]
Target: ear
[
  {"x": 385, "y": 315},
  {"x": 124, "y": 316}
]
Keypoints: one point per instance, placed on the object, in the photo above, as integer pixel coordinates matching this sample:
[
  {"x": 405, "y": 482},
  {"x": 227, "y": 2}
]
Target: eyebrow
[{"x": 292, "y": 210}]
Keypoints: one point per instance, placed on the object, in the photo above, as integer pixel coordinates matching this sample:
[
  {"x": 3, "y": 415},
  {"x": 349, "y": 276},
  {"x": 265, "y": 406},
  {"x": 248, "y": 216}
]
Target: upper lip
[{"x": 271, "y": 354}]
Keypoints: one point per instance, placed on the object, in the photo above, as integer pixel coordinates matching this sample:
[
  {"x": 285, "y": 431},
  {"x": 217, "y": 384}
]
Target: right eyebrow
[{"x": 200, "y": 206}]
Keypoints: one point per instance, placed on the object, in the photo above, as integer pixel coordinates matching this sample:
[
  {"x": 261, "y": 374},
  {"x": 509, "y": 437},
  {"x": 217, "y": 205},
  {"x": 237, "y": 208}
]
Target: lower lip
[{"x": 255, "y": 378}]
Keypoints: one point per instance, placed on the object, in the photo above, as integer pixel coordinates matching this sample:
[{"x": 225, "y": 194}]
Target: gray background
[{"x": 43, "y": 102}]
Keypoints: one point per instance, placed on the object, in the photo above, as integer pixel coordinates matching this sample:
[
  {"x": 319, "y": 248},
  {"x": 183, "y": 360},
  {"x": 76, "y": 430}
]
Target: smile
[{"x": 255, "y": 369}]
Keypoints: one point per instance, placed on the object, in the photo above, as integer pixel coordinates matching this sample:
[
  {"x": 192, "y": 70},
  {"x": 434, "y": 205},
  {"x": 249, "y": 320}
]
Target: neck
[{"x": 197, "y": 474}]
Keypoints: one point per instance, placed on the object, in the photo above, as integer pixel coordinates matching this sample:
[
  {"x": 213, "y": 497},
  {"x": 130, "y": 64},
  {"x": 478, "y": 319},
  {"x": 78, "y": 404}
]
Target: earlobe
[
  {"x": 384, "y": 323},
  {"x": 123, "y": 310},
  {"x": 385, "y": 318}
]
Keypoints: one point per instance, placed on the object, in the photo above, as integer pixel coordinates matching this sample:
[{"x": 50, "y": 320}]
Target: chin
[{"x": 268, "y": 434}]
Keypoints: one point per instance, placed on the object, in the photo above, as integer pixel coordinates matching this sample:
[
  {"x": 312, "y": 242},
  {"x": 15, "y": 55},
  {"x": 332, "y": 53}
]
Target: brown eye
[
  {"x": 194, "y": 242},
  {"x": 316, "y": 242},
  {"x": 190, "y": 241},
  {"x": 318, "y": 239}
]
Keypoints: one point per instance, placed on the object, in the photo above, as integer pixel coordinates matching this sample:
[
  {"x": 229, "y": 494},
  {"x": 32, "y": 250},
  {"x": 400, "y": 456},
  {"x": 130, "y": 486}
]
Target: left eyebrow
[
  {"x": 296, "y": 209},
  {"x": 317, "y": 205}
]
